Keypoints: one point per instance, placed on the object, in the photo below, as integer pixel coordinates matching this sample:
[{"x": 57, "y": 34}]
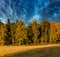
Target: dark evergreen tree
[
  {"x": 8, "y": 39},
  {"x": 29, "y": 34},
  {"x": 13, "y": 30},
  {"x": 1, "y": 33}
]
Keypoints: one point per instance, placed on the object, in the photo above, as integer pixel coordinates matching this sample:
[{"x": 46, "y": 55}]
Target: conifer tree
[
  {"x": 8, "y": 39},
  {"x": 13, "y": 33},
  {"x": 29, "y": 34},
  {"x": 1, "y": 33}
]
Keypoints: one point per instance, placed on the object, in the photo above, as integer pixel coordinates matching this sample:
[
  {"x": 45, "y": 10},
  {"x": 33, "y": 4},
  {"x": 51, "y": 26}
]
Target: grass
[{"x": 30, "y": 51}]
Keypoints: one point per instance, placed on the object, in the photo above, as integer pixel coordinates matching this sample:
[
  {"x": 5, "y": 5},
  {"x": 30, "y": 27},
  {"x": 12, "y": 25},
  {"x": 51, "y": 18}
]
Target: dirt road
[{"x": 32, "y": 51}]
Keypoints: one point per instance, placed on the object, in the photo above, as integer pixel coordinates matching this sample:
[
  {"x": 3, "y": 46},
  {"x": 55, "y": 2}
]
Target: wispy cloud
[{"x": 29, "y": 9}]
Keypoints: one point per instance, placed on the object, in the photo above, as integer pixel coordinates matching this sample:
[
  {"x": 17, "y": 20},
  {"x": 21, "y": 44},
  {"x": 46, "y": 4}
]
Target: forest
[{"x": 17, "y": 33}]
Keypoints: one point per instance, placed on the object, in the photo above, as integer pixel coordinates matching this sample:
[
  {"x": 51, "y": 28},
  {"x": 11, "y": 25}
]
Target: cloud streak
[{"x": 29, "y": 9}]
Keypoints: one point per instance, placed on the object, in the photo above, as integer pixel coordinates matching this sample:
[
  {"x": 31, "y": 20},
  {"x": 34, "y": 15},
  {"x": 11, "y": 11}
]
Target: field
[{"x": 30, "y": 51}]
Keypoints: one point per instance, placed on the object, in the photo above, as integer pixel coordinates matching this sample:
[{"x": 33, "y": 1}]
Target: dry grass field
[{"x": 30, "y": 51}]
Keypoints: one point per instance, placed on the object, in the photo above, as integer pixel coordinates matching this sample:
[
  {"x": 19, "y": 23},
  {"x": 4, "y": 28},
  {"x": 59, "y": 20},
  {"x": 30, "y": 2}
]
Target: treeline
[{"x": 17, "y": 33}]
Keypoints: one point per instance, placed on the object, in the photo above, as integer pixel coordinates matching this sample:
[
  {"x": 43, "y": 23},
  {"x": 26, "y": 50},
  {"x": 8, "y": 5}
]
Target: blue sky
[{"x": 28, "y": 10}]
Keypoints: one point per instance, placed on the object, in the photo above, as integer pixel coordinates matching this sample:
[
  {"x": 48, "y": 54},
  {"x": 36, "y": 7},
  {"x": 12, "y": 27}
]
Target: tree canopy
[{"x": 17, "y": 33}]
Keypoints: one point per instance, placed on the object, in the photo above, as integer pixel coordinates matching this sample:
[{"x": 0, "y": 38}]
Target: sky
[{"x": 28, "y": 10}]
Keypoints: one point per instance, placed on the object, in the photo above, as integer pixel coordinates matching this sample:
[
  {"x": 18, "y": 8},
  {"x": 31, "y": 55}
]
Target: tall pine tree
[{"x": 8, "y": 39}]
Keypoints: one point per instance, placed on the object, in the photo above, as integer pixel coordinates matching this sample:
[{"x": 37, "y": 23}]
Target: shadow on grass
[{"x": 40, "y": 52}]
